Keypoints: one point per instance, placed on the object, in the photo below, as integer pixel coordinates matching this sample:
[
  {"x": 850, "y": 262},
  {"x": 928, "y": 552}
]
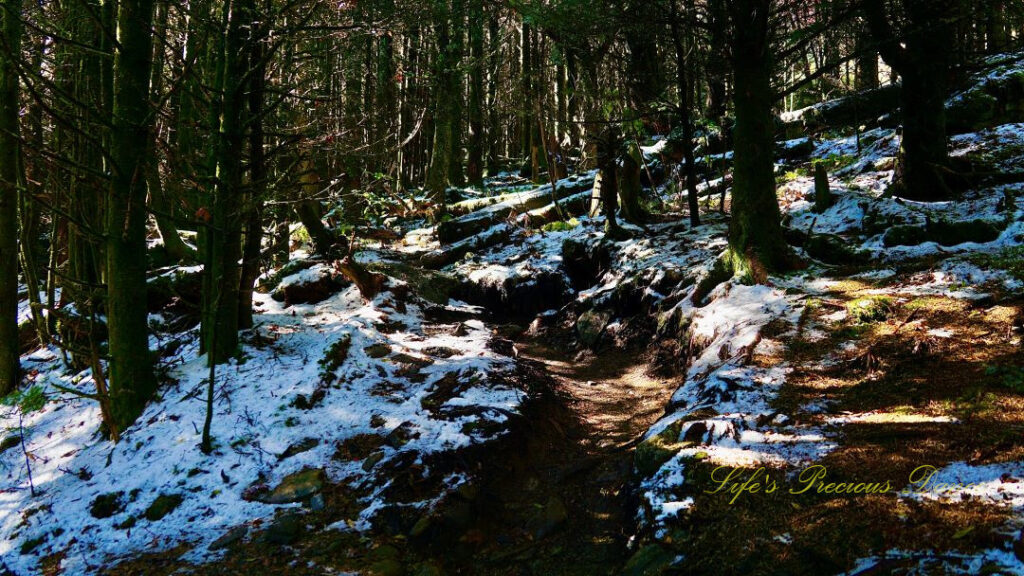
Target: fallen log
[
  {"x": 480, "y": 220},
  {"x": 369, "y": 283},
  {"x": 862, "y": 108},
  {"x": 436, "y": 259},
  {"x": 575, "y": 205}
]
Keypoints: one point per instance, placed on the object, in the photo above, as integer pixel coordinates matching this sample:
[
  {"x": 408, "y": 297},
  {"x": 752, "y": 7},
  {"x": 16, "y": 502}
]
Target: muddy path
[{"x": 556, "y": 496}]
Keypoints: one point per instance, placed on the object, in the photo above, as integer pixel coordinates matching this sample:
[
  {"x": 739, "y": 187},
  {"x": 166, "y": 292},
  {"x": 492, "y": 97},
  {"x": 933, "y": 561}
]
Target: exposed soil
[{"x": 555, "y": 499}]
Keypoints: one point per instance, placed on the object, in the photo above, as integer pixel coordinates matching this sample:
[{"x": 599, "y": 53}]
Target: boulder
[
  {"x": 297, "y": 487},
  {"x": 310, "y": 286},
  {"x": 590, "y": 325}
]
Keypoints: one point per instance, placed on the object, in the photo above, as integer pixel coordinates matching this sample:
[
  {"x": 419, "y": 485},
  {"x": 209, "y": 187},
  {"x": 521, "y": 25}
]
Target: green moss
[
  {"x": 870, "y": 309},
  {"x": 561, "y": 226},
  {"x": 162, "y": 506},
  {"x": 334, "y": 357},
  {"x": 1010, "y": 260},
  {"x": 653, "y": 453}
]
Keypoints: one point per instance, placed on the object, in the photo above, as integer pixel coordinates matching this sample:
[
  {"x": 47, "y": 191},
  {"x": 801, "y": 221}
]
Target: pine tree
[
  {"x": 132, "y": 382},
  {"x": 10, "y": 180}
]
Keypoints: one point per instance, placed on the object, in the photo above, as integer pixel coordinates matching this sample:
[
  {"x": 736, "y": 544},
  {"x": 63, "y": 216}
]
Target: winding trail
[{"x": 557, "y": 493}]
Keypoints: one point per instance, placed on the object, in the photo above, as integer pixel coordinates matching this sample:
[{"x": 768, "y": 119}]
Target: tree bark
[
  {"x": 475, "y": 164},
  {"x": 10, "y": 181},
  {"x": 756, "y": 244},
  {"x": 220, "y": 318},
  {"x": 922, "y": 57},
  {"x": 132, "y": 383}
]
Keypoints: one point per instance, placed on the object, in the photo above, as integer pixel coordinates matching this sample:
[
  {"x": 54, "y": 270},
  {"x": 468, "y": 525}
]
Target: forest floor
[{"x": 554, "y": 402}]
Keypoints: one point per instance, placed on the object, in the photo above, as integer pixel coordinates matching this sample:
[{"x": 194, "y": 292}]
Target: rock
[
  {"x": 421, "y": 526},
  {"x": 943, "y": 233},
  {"x": 272, "y": 280},
  {"x": 590, "y": 325},
  {"x": 440, "y": 352},
  {"x": 162, "y": 506},
  {"x": 284, "y": 530},
  {"x": 401, "y": 435},
  {"x": 304, "y": 445},
  {"x": 372, "y": 460},
  {"x": 389, "y": 567},
  {"x": 411, "y": 360},
  {"x": 833, "y": 249},
  {"x": 653, "y": 452},
  {"x": 310, "y": 286},
  {"x": 334, "y": 357},
  {"x": 317, "y": 503},
  {"x": 128, "y": 523},
  {"x": 179, "y": 290},
  {"x": 549, "y": 518},
  {"x": 584, "y": 263},
  {"x": 457, "y": 515},
  {"x": 106, "y": 505},
  {"x": 822, "y": 189},
  {"x": 358, "y": 447},
  {"x": 954, "y": 233},
  {"x": 297, "y": 487},
  {"x": 903, "y": 235},
  {"x": 378, "y": 350},
  {"x": 427, "y": 569},
  {"x": 650, "y": 560},
  {"x": 432, "y": 286},
  {"x": 230, "y": 537},
  {"x": 9, "y": 442},
  {"x": 870, "y": 309}
]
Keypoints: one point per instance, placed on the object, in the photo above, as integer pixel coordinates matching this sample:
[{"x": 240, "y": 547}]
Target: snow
[
  {"x": 255, "y": 421},
  {"x": 992, "y": 484}
]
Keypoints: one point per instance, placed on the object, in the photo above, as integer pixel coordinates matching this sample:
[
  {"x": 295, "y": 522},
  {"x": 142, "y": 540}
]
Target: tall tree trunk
[
  {"x": 257, "y": 180},
  {"x": 475, "y": 164},
  {"x": 922, "y": 57},
  {"x": 756, "y": 244},
  {"x": 132, "y": 382},
  {"x": 220, "y": 318},
  {"x": 683, "y": 82},
  {"x": 440, "y": 158},
  {"x": 867, "y": 64},
  {"x": 10, "y": 180}
]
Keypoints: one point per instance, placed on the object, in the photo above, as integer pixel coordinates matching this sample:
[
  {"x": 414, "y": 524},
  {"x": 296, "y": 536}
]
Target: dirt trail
[{"x": 555, "y": 499}]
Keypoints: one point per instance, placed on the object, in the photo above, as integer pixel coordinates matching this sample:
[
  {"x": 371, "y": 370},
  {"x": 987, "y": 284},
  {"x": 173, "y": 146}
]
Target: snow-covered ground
[{"x": 279, "y": 410}]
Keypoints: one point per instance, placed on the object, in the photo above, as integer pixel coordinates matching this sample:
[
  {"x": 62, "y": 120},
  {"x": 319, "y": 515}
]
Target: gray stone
[
  {"x": 297, "y": 487},
  {"x": 590, "y": 325},
  {"x": 230, "y": 537}
]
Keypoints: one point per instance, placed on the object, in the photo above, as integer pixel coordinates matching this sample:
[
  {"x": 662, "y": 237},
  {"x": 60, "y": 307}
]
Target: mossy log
[{"x": 476, "y": 222}]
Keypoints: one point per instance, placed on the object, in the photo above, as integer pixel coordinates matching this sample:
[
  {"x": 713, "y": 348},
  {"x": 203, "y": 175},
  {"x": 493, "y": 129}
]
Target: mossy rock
[
  {"x": 650, "y": 560},
  {"x": 106, "y": 505},
  {"x": 432, "y": 286},
  {"x": 297, "y": 487},
  {"x": 653, "y": 453},
  {"x": 943, "y": 233},
  {"x": 28, "y": 546},
  {"x": 163, "y": 505},
  {"x": 272, "y": 280},
  {"x": 905, "y": 236},
  {"x": 9, "y": 442},
  {"x": 590, "y": 326},
  {"x": 334, "y": 357},
  {"x": 378, "y": 350},
  {"x": 870, "y": 309},
  {"x": 953, "y": 233},
  {"x": 832, "y": 249}
]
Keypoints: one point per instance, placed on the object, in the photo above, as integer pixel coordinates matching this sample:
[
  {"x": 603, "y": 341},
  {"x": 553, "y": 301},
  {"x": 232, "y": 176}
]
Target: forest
[{"x": 511, "y": 287}]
